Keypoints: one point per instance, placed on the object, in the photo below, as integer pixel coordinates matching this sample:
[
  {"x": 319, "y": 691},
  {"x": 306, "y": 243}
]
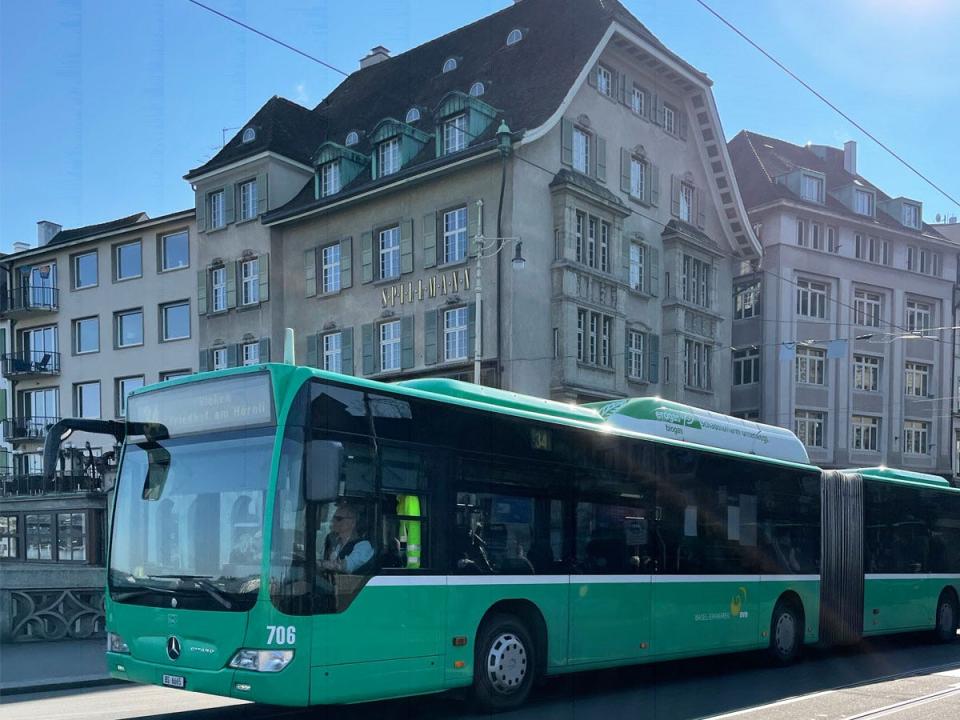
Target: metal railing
[
  {"x": 30, "y": 362},
  {"x": 16, "y": 484},
  {"x": 27, "y": 298},
  {"x": 28, "y": 428}
]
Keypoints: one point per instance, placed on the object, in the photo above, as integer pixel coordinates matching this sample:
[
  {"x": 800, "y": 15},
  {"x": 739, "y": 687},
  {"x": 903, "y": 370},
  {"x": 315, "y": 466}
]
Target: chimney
[
  {"x": 376, "y": 55},
  {"x": 20, "y": 246},
  {"x": 850, "y": 156},
  {"x": 45, "y": 232}
]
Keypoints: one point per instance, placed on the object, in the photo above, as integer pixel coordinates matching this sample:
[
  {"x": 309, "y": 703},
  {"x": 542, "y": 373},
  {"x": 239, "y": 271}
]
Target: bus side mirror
[{"x": 324, "y": 466}]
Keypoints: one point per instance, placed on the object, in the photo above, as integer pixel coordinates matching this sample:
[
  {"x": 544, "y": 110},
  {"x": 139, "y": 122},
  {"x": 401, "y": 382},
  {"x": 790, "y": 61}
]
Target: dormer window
[
  {"x": 413, "y": 114},
  {"x": 515, "y": 36},
  {"x": 352, "y": 138},
  {"x": 811, "y": 188},
  {"x": 863, "y": 202},
  {"x": 330, "y": 178},
  {"x": 249, "y": 135},
  {"x": 455, "y": 134},
  {"x": 388, "y": 156},
  {"x": 449, "y": 64},
  {"x": 911, "y": 216},
  {"x": 477, "y": 89}
]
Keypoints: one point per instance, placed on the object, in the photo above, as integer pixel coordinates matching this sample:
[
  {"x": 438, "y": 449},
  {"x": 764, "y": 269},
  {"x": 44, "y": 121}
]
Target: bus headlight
[
  {"x": 261, "y": 660},
  {"x": 116, "y": 644}
]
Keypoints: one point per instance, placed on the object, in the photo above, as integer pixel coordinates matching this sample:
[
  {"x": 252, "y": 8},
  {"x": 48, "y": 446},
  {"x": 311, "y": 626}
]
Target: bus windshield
[{"x": 188, "y": 520}]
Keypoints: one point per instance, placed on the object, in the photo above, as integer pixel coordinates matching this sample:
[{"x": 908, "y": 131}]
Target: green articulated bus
[{"x": 293, "y": 536}]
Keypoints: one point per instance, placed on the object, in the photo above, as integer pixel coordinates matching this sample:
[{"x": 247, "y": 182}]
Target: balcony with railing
[
  {"x": 30, "y": 363},
  {"x": 29, "y": 484},
  {"x": 30, "y": 299},
  {"x": 23, "y": 429}
]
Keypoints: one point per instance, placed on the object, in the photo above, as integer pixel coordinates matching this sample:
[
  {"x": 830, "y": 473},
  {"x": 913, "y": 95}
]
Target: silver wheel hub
[
  {"x": 507, "y": 663},
  {"x": 947, "y": 623},
  {"x": 786, "y": 633}
]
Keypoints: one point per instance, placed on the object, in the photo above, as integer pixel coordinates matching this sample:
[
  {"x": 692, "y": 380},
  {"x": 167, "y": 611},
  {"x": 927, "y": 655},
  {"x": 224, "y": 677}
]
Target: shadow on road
[{"x": 679, "y": 690}]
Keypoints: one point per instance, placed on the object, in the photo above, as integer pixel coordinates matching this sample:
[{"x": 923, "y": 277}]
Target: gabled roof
[
  {"x": 758, "y": 160},
  {"x": 527, "y": 81},
  {"x": 80, "y": 233}
]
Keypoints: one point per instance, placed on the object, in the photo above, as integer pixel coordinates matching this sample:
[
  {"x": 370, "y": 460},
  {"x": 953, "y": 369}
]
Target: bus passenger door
[{"x": 610, "y": 590}]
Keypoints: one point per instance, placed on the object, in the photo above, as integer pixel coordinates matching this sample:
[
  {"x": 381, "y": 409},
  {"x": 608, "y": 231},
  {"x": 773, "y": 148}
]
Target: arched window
[
  {"x": 413, "y": 114},
  {"x": 515, "y": 36},
  {"x": 449, "y": 64},
  {"x": 352, "y": 138},
  {"x": 249, "y": 135},
  {"x": 477, "y": 89}
]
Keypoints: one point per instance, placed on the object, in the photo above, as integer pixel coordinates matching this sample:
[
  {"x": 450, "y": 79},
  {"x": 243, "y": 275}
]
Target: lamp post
[{"x": 488, "y": 247}]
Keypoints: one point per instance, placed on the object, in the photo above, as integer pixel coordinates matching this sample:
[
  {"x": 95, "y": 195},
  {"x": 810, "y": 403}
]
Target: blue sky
[{"x": 105, "y": 105}]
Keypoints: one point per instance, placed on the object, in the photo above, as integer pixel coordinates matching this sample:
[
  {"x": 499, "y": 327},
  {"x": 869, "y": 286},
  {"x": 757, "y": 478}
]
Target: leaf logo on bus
[{"x": 737, "y": 603}]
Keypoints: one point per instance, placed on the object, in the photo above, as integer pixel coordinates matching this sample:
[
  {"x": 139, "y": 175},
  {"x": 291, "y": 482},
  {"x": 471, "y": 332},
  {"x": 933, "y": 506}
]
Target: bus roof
[{"x": 884, "y": 473}]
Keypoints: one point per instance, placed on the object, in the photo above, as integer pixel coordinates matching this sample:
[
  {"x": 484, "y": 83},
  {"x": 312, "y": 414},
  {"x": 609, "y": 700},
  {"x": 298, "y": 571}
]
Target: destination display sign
[{"x": 208, "y": 405}]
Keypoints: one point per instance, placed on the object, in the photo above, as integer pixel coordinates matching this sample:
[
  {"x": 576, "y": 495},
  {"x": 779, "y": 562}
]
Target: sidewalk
[{"x": 52, "y": 665}]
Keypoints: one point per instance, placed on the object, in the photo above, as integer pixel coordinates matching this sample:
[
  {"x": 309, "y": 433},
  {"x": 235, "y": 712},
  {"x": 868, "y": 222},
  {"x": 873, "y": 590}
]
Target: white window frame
[
  {"x": 638, "y": 100},
  {"x": 805, "y": 183},
  {"x": 218, "y": 285},
  {"x": 390, "y": 345},
  {"x": 686, "y": 202},
  {"x": 333, "y": 352},
  {"x": 637, "y": 261},
  {"x": 833, "y": 243},
  {"x": 816, "y": 236},
  {"x": 389, "y": 243},
  {"x": 455, "y": 134},
  {"x": 250, "y": 281},
  {"x": 916, "y": 437},
  {"x": 455, "y": 326},
  {"x": 638, "y": 177},
  {"x": 163, "y": 251},
  {"x": 863, "y": 202},
  {"x": 388, "y": 157},
  {"x": 696, "y": 280},
  {"x": 865, "y": 433},
  {"x": 866, "y": 373},
  {"x": 116, "y": 251},
  {"x": 455, "y": 235},
  {"x": 636, "y": 354},
  {"x": 604, "y": 81},
  {"x": 118, "y": 327},
  {"x": 810, "y": 427},
  {"x": 329, "y": 178},
  {"x": 867, "y": 308},
  {"x": 746, "y": 301},
  {"x": 76, "y": 270},
  {"x": 746, "y": 366},
  {"x": 919, "y": 316},
  {"x": 250, "y": 353},
  {"x": 76, "y": 335},
  {"x": 916, "y": 379},
  {"x": 581, "y": 150},
  {"x": 123, "y": 393},
  {"x": 248, "y": 199},
  {"x": 330, "y": 269},
  {"x": 219, "y": 359},
  {"x": 801, "y": 232},
  {"x": 78, "y": 404},
  {"x": 811, "y": 365},
  {"x": 812, "y": 299},
  {"x": 697, "y": 364},
  {"x": 216, "y": 214},
  {"x": 163, "y": 321},
  {"x": 911, "y": 216},
  {"x": 669, "y": 119}
]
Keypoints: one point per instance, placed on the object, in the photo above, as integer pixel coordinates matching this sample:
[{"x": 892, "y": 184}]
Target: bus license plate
[{"x": 177, "y": 681}]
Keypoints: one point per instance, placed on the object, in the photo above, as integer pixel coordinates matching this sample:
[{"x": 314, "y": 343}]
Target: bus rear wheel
[
  {"x": 786, "y": 632},
  {"x": 504, "y": 663},
  {"x": 947, "y": 618}
]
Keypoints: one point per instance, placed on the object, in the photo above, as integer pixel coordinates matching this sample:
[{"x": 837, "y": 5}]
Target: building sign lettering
[{"x": 438, "y": 285}]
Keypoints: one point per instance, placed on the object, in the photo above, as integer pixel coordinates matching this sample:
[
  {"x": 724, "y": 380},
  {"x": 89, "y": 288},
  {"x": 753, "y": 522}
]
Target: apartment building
[
  {"x": 838, "y": 332},
  {"x": 88, "y": 315},
  {"x": 385, "y": 224}
]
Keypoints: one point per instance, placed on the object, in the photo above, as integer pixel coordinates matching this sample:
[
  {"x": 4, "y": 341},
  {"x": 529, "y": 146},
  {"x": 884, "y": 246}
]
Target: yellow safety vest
[{"x": 409, "y": 505}]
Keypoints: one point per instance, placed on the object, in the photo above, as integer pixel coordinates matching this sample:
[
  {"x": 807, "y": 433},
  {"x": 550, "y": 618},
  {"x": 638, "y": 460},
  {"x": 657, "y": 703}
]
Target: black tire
[
  {"x": 786, "y": 632},
  {"x": 948, "y": 616},
  {"x": 504, "y": 664}
]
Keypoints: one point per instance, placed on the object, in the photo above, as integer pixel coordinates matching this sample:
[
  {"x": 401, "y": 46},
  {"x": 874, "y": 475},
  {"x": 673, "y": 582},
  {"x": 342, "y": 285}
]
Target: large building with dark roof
[
  {"x": 384, "y": 225},
  {"x": 838, "y": 333}
]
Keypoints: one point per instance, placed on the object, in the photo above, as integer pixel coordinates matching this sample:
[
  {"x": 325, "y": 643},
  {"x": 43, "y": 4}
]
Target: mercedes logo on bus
[{"x": 173, "y": 647}]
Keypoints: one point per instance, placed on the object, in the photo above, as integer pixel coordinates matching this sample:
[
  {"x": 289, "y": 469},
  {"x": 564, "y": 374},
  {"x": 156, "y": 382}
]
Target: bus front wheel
[
  {"x": 947, "y": 618},
  {"x": 504, "y": 663},
  {"x": 786, "y": 632}
]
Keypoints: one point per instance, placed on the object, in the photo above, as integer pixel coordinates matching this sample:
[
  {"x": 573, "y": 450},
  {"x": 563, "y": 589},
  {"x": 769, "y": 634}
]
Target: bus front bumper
[{"x": 273, "y": 688}]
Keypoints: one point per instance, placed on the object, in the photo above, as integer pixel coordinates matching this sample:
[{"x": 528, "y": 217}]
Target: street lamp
[{"x": 486, "y": 248}]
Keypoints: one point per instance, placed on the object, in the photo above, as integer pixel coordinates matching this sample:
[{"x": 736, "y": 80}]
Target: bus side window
[{"x": 404, "y": 538}]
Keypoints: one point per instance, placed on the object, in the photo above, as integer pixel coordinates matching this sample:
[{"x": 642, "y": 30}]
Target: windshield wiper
[
  {"x": 140, "y": 591},
  {"x": 201, "y": 582}
]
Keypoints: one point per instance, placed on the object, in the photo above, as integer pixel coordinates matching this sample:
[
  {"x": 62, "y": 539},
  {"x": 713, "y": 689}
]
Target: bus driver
[{"x": 344, "y": 550}]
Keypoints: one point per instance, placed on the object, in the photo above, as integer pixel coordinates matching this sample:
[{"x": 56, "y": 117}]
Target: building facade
[
  {"x": 950, "y": 229},
  {"x": 384, "y": 225},
  {"x": 89, "y": 315},
  {"x": 839, "y": 333}
]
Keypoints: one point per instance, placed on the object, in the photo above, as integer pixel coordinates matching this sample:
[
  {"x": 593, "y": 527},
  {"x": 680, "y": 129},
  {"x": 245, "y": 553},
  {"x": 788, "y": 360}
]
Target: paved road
[{"x": 903, "y": 678}]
